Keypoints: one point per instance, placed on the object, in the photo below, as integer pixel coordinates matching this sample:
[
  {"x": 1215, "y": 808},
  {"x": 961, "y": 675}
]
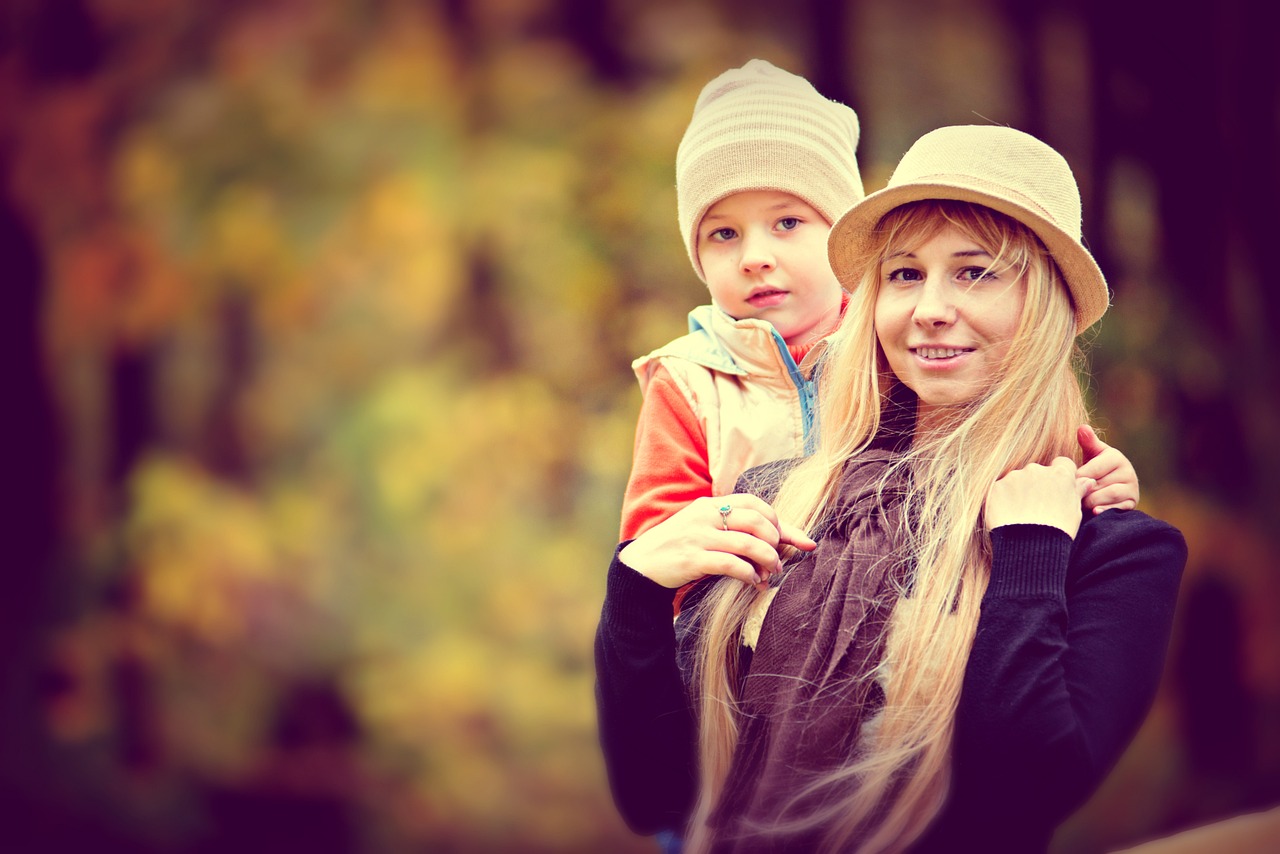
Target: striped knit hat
[{"x": 761, "y": 128}]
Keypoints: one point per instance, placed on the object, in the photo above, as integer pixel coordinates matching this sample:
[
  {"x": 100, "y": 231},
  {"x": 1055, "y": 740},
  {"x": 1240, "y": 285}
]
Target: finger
[
  {"x": 737, "y": 555},
  {"x": 733, "y": 566},
  {"x": 1090, "y": 444},
  {"x": 1063, "y": 465},
  {"x": 1108, "y": 473},
  {"x": 721, "y": 514},
  {"x": 1106, "y": 495},
  {"x": 755, "y": 516},
  {"x": 754, "y": 504},
  {"x": 1108, "y": 466},
  {"x": 1098, "y": 465},
  {"x": 1127, "y": 504},
  {"x": 1083, "y": 485},
  {"x": 744, "y": 520},
  {"x": 793, "y": 536},
  {"x": 762, "y": 556},
  {"x": 732, "y": 510}
]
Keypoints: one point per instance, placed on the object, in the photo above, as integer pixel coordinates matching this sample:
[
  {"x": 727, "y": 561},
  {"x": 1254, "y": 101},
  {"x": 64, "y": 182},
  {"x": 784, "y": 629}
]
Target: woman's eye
[
  {"x": 977, "y": 274},
  {"x": 905, "y": 274}
]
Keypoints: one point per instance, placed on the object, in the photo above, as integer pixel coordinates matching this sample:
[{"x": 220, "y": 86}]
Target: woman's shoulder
[
  {"x": 1130, "y": 538},
  {"x": 1127, "y": 526}
]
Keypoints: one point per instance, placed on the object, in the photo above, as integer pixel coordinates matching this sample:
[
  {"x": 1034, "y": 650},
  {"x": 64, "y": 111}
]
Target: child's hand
[{"x": 1116, "y": 482}]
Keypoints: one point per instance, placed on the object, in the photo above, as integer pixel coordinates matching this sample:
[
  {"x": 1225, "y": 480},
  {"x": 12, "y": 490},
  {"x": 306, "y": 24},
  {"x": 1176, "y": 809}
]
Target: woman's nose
[{"x": 935, "y": 307}]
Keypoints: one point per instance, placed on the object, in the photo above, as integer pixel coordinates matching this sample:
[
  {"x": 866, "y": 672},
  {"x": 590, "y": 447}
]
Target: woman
[{"x": 956, "y": 658}]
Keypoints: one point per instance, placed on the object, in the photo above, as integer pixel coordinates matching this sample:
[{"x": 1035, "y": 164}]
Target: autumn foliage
[{"x": 323, "y": 314}]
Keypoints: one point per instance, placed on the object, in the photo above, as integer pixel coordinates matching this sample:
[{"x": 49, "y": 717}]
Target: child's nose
[{"x": 757, "y": 254}]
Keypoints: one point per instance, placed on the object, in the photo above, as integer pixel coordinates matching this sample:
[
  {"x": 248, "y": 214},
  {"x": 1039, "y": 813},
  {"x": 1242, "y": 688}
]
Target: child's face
[
  {"x": 764, "y": 254},
  {"x": 945, "y": 317}
]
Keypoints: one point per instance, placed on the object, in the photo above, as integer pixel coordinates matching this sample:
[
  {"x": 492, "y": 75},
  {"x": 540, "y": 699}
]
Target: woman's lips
[
  {"x": 940, "y": 352},
  {"x": 940, "y": 357}
]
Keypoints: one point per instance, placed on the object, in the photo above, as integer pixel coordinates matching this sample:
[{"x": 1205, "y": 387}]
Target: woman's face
[{"x": 944, "y": 317}]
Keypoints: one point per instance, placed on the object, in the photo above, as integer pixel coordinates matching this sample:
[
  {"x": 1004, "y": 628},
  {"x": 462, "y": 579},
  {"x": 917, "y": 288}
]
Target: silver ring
[{"x": 724, "y": 515}]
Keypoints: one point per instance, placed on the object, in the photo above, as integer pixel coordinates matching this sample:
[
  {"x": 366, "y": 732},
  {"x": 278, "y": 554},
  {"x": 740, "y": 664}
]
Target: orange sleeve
[{"x": 669, "y": 466}]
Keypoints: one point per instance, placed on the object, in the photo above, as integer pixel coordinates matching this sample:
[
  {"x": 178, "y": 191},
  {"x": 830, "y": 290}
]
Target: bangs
[{"x": 1009, "y": 242}]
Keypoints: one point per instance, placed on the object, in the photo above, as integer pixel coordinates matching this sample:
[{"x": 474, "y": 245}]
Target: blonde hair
[{"x": 885, "y": 796}]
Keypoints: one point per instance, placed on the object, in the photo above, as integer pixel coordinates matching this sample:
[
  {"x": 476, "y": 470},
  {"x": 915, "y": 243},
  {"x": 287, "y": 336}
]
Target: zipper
[{"x": 806, "y": 390}]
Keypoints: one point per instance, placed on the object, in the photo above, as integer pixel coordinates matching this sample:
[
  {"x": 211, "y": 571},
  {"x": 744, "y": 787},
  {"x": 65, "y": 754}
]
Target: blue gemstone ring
[{"x": 724, "y": 515}]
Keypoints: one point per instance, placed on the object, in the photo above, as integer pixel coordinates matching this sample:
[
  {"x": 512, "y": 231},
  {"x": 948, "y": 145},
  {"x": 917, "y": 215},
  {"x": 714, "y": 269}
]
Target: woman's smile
[{"x": 936, "y": 354}]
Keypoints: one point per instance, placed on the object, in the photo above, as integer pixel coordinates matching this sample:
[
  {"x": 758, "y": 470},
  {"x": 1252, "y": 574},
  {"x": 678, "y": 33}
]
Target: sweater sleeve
[
  {"x": 1069, "y": 651},
  {"x": 669, "y": 465},
  {"x": 647, "y": 729}
]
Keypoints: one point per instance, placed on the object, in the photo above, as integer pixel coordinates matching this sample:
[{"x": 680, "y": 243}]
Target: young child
[{"x": 765, "y": 167}]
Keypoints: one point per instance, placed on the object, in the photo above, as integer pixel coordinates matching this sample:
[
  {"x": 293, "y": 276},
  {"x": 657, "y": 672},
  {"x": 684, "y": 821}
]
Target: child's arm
[
  {"x": 1116, "y": 481},
  {"x": 669, "y": 468}
]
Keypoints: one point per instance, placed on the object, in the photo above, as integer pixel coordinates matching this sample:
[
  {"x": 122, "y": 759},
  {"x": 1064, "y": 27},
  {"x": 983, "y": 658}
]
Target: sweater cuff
[
  {"x": 631, "y": 597},
  {"x": 1029, "y": 561}
]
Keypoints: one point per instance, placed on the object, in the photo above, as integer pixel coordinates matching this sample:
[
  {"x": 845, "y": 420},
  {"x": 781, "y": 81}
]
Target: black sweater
[{"x": 1068, "y": 654}]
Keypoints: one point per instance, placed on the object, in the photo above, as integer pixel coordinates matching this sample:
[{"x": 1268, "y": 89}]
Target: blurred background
[{"x": 318, "y": 317}]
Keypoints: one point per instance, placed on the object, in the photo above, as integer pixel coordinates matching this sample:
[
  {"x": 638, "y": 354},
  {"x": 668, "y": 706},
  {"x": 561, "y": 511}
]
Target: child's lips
[{"x": 767, "y": 298}]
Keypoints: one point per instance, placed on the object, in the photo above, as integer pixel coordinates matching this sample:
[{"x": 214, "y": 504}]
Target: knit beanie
[{"x": 761, "y": 128}]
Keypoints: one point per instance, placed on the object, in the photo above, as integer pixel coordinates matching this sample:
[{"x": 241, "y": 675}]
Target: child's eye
[
  {"x": 787, "y": 223},
  {"x": 722, "y": 234}
]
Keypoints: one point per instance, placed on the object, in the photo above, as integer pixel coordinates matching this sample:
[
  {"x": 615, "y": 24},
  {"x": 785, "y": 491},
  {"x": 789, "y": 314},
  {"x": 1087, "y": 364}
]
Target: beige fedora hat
[{"x": 999, "y": 167}]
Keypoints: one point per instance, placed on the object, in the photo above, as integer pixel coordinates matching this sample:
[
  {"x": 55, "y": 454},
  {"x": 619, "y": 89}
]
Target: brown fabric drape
[{"x": 811, "y": 684}]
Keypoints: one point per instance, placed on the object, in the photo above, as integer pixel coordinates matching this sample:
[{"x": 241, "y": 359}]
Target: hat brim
[{"x": 853, "y": 235}]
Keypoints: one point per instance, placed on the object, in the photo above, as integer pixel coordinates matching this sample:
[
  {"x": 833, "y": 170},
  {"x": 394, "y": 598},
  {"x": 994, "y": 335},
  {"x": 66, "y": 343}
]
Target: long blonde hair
[{"x": 885, "y": 796}]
